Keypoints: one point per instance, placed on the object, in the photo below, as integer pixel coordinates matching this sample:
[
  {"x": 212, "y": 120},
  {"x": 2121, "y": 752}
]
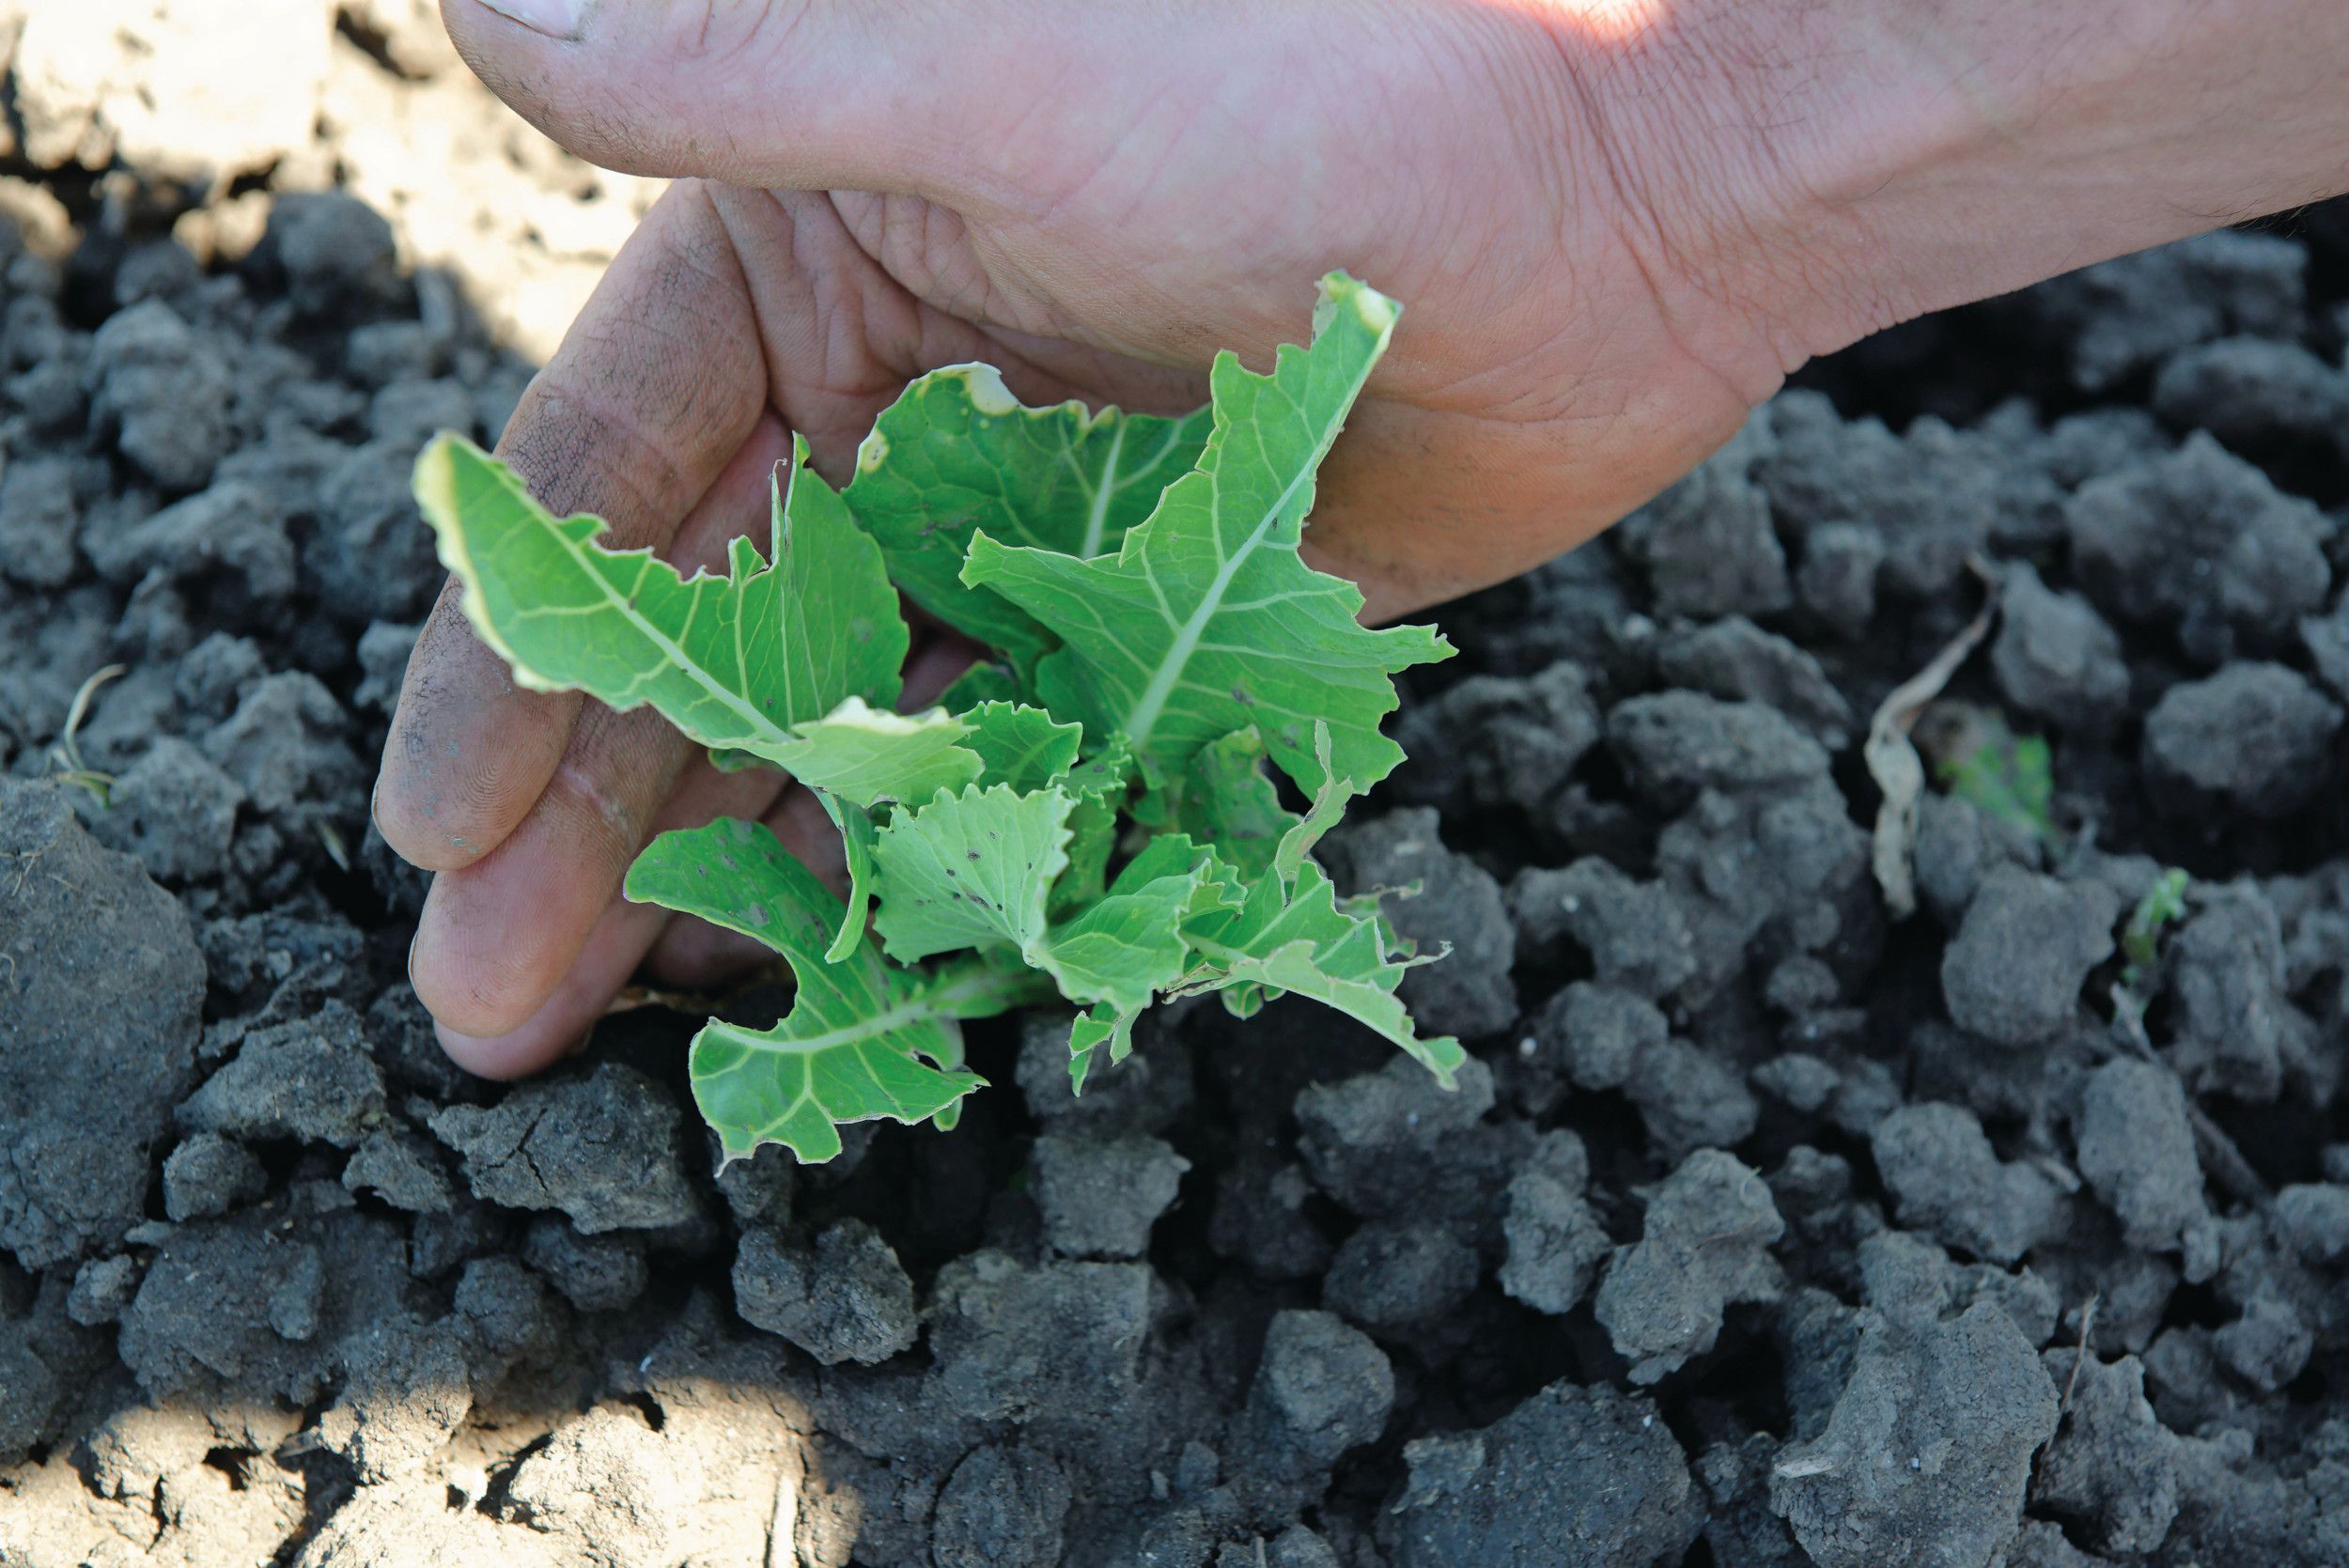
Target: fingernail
[{"x": 557, "y": 19}]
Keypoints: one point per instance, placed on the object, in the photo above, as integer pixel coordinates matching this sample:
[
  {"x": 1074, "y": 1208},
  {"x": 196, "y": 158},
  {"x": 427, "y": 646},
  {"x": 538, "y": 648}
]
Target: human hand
[{"x": 1607, "y": 257}]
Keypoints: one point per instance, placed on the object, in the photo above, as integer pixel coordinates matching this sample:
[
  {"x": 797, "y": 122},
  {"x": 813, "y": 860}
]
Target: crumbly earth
[{"x": 1763, "y": 1228}]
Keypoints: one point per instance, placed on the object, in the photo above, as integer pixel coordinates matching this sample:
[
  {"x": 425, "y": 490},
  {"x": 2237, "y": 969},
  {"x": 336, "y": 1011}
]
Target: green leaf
[
  {"x": 864, "y": 1038},
  {"x": 1290, "y": 855},
  {"x": 1206, "y": 620},
  {"x": 970, "y": 870},
  {"x": 2162, "y": 904},
  {"x": 2008, "y": 778},
  {"x": 956, "y": 453},
  {"x": 1124, "y": 950},
  {"x": 1024, "y": 746},
  {"x": 973, "y": 870},
  {"x": 1300, "y": 968},
  {"x": 982, "y": 985},
  {"x": 1303, "y": 942},
  {"x": 985, "y": 682},
  {"x": 1127, "y": 946},
  {"x": 862, "y": 753},
  {"x": 734, "y": 660},
  {"x": 1099, "y": 783},
  {"x": 1227, "y": 799},
  {"x": 857, "y": 833}
]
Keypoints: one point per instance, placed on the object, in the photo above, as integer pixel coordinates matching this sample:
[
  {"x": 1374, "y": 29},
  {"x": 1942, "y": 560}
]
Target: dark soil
[{"x": 1762, "y": 1228}]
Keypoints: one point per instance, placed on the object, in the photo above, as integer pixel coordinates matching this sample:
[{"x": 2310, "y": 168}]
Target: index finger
[{"x": 654, "y": 389}]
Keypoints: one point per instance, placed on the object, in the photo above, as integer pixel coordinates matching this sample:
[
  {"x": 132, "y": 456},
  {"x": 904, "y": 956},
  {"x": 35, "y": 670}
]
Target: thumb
[{"x": 790, "y": 94}]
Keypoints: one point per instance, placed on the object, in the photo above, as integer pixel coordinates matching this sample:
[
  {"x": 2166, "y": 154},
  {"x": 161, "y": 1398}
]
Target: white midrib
[
  {"x": 913, "y": 1010},
  {"x": 918, "y": 1011},
  {"x": 1207, "y": 947},
  {"x": 757, "y": 722},
  {"x": 1097, "y": 518},
  {"x": 1143, "y": 716}
]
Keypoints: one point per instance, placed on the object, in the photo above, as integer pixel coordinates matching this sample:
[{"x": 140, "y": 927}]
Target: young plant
[
  {"x": 65, "y": 756},
  {"x": 2163, "y": 905},
  {"x": 1092, "y": 815},
  {"x": 2007, "y": 777}
]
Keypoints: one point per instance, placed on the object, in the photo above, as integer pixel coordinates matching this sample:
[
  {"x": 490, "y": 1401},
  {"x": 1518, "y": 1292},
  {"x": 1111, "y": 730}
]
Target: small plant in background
[
  {"x": 2162, "y": 906},
  {"x": 65, "y": 756},
  {"x": 1979, "y": 758},
  {"x": 1092, "y": 815},
  {"x": 2010, "y": 779}
]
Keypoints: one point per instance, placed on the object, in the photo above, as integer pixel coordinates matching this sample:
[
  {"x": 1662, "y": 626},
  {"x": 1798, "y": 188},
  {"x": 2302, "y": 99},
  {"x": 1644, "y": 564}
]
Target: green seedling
[
  {"x": 65, "y": 756},
  {"x": 2007, "y": 777},
  {"x": 1093, "y": 815},
  {"x": 2162, "y": 906}
]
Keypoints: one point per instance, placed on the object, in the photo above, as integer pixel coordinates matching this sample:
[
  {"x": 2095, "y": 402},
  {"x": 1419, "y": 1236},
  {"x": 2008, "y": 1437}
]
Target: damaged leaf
[
  {"x": 1206, "y": 620},
  {"x": 864, "y": 1038},
  {"x": 735, "y": 661}
]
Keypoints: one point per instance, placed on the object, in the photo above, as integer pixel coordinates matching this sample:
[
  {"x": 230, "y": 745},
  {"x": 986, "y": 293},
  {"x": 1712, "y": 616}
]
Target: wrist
[{"x": 1834, "y": 166}]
